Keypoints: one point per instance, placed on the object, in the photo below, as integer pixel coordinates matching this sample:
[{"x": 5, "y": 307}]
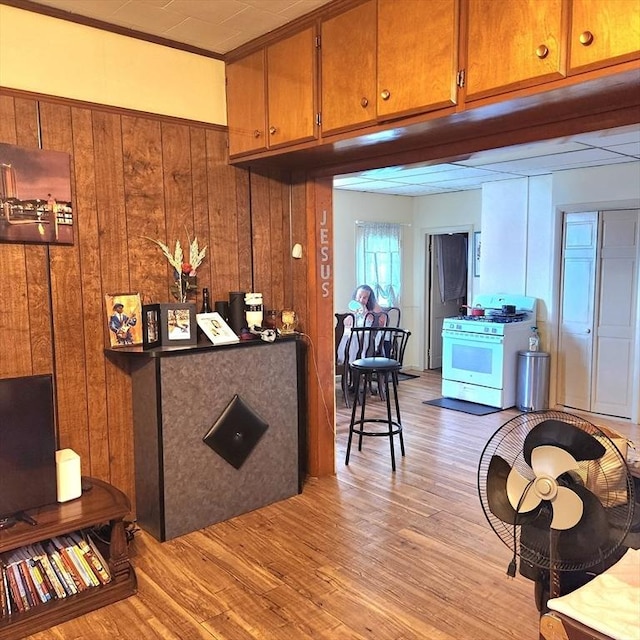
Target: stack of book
[{"x": 50, "y": 570}]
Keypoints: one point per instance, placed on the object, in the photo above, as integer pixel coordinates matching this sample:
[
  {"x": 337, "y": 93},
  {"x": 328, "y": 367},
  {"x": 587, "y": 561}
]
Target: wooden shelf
[{"x": 101, "y": 504}]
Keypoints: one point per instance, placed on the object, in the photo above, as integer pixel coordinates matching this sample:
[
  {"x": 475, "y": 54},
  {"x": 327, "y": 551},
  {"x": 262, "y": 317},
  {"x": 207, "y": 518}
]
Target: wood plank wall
[{"x": 133, "y": 175}]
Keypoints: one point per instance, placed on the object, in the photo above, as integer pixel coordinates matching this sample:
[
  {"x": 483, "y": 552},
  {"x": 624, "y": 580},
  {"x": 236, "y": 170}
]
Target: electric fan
[{"x": 558, "y": 493}]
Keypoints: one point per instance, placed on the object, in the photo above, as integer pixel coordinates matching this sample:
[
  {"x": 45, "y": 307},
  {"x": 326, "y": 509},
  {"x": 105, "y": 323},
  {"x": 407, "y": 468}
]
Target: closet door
[
  {"x": 614, "y": 360},
  {"x": 575, "y": 348},
  {"x": 597, "y": 361}
]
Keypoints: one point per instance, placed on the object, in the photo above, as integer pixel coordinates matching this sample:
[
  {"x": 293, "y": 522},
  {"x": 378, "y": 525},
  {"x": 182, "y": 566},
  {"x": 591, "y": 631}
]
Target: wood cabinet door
[
  {"x": 603, "y": 32},
  {"x": 291, "y": 88},
  {"x": 246, "y": 108},
  {"x": 511, "y": 45},
  {"x": 348, "y": 57},
  {"x": 417, "y": 56}
]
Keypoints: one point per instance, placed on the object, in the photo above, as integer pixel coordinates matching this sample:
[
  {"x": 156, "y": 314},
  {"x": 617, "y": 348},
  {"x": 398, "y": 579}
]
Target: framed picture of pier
[{"x": 35, "y": 196}]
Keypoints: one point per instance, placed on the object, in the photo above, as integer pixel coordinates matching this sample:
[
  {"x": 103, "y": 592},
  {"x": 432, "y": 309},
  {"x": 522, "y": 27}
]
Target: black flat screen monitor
[{"x": 27, "y": 445}]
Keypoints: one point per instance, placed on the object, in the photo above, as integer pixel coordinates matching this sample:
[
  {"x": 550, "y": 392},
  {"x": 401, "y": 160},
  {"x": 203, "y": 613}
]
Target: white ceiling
[
  {"x": 219, "y": 26},
  {"x": 612, "y": 146}
]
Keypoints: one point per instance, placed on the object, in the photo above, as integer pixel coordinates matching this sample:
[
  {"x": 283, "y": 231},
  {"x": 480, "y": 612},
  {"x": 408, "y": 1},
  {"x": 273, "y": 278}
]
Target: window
[{"x": 378, "y": 260}]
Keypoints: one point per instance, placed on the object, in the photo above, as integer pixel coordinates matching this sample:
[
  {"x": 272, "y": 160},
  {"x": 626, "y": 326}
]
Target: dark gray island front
[{"x": 182, "y": 484}]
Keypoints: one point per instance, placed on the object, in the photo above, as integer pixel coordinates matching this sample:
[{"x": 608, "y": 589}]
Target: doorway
[{"x": 445, "y": 266}]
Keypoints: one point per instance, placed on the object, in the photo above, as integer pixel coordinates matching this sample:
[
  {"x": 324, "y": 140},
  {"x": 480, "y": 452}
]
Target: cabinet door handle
[
  {"x": 364, "y": 103},
  {"x": 272, "y": 130},
  {"x": 588, "y": 331},
  {"x": 385, "y": 95},
  {"x": 586, "y": 38},
  {"x": 257, "y": 133},
  {"x": 542, "y": 51}
]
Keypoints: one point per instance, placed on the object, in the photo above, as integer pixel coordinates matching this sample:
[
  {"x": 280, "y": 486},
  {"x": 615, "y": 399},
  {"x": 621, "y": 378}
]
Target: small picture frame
[
  {"x": 151, "y": 326},
  {"x": 178, "y": 325},
  {"x": 124, "y": 311},
  {"x": 216, "y": 329}
]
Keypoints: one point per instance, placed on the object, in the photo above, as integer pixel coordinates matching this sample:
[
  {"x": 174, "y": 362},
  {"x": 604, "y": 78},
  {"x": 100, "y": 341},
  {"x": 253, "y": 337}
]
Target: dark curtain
[{"x": 451, "y": 254}]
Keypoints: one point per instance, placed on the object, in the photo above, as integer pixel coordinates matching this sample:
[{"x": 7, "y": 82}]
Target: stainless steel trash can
[{"x": 532, "y": 387}]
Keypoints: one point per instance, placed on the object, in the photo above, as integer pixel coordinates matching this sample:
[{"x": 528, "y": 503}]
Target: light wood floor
[{"x": 365, "y": 554}]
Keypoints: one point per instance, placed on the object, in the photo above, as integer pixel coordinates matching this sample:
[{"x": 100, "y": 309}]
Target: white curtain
[{"x": 378, "y": 260}]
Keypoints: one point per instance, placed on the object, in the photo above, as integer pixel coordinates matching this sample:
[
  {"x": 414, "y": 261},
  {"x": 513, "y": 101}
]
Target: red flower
[{"x": 186, "y": 268}]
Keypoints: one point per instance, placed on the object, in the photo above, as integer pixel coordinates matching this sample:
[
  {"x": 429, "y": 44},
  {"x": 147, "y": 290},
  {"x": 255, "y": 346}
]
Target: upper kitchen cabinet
[
  {"x": 348, "y": 50},
  {"x": 291, "y": 89},
  {"x": 514, "y": 44},
  {"x": 603, "y": 33},
  {"x": 417, "y": 59},
  {"x": 246, "y": 116}
]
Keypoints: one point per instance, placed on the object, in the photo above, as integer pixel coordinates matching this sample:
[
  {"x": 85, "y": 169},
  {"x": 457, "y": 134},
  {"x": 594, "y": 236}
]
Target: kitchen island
[{"x": 179, "y": 394}]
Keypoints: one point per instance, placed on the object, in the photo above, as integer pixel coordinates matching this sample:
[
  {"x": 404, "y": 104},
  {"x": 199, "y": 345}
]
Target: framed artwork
[
  {"x": 35, "y": 196},
  {"x": 216, "y": 329},
  {"x": 151, "y": 326},
  {"x": 177, "y": 324},
  {"x": 476, "y": 254},
  {"x": 124, "y": 311}
]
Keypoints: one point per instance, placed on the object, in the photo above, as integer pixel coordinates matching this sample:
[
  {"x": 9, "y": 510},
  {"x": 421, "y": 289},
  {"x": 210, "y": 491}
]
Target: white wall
[
  {"x": 60, "y": 58},
  {"x": 459, "y": 211},
  {"x": 350, "y": 206}
]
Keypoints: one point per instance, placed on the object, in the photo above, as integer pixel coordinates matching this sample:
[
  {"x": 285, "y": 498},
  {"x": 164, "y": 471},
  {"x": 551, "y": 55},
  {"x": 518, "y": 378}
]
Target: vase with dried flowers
[{"x": 184, "y": 273}]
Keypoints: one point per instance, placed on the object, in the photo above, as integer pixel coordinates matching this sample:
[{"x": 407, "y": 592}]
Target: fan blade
[
  {"x": 520, "y": 492},
  {"x": 583, "y": 542},
  {"x": 551, "y": 461},
  {"x": 580, "y": 444},
  {"x": 497, "y": 497},
  {"x": 567, "y": 509}
]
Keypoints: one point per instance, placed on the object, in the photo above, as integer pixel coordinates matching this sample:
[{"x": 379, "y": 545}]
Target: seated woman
[
  {"x": 367, "y": 312},
  {"x": 366, "y": 308}
]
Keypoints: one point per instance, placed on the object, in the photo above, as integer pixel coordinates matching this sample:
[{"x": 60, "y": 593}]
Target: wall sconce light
[{"x": 296, "y": 252}]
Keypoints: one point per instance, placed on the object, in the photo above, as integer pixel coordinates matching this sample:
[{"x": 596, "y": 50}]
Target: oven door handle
[{"x": 472, "y": 337}]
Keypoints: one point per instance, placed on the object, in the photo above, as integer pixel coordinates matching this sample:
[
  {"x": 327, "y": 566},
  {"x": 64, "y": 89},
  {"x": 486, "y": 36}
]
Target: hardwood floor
[{"x": 365, "y": 554}]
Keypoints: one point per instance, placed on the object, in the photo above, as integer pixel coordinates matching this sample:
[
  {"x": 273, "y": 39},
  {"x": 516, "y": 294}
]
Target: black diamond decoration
[{"x": 236, "y": 432}]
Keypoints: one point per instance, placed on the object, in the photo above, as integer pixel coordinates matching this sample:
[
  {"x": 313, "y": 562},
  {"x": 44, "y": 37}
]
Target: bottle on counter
[
  {"x": 534, "y": 340},
  {"x": 206, "y": 305}
]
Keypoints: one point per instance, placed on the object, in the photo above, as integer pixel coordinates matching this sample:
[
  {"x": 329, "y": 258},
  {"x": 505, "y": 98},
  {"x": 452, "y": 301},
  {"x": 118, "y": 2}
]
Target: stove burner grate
[{"x": 496, "y": 317}]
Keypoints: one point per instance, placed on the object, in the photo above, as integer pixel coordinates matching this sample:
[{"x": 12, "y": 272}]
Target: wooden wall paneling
[
  {"x": 112, "y": 229},
  {"x": 67, "y": 306},
  {"x": 146, "y": 208},
  {"x": 86, "y": 235},
  {"x": 280, "y": 238},
  {"x": 37, "y": 258},
  {"x": 300, "y": 288},
  {"x": 243, "y": 223},
  {"x": 15, "y": 343},
  {"x": 199, "y": 205},
  {"x": 319, "y": 327},
  {"x": 261, "y": 235},
  {"x": 178, "y": 190},
  {"x": 223, "y": 221}
]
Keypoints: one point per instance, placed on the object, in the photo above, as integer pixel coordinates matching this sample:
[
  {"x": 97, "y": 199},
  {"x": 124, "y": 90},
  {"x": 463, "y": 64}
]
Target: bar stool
[{"x": 380, "y": 352}]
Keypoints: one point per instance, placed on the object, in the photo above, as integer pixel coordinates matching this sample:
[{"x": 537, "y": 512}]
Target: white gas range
[{"x": 480, "y": 353}]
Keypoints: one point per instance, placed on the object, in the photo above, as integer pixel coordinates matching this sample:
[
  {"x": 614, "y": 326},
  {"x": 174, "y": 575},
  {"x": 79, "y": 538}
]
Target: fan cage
[{"x": 618, "y": 499}]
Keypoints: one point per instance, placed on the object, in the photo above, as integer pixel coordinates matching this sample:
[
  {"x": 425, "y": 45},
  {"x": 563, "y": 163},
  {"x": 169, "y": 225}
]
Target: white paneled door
[{"x": 596, "y": 356}]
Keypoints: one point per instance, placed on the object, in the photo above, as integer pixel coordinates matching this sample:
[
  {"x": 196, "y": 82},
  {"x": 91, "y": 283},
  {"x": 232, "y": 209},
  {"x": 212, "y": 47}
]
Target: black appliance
[{"x": 27, "y": 447}]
